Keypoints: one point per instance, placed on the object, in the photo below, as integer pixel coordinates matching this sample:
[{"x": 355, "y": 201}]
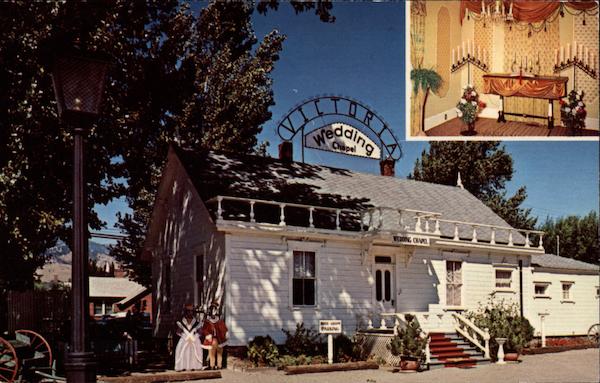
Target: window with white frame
[
  {"x": 597, "y": 291},
  {"x": 453, "y": 283},
  {"x": 567, "y": 294},
  {"x": 504, "y": 279},
  {"x": 304, "y": 279},
  {"x": 541, "y": 289}
]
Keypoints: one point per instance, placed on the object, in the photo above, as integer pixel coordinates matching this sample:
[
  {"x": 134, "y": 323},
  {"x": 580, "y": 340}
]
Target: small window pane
[
  {"x": 388, "y": 286},
  {"x": 309, "y": 265},
  {"x": 566, "y": 287},
  {"x": 298, "y": 292},
  {"x": 540, "y": 289},
  {"x": 503, "y": 278},
  {"x": 309, "y": 292},
  {"x": 378, "y": 294},
  {"x": 298, "y": 264}
]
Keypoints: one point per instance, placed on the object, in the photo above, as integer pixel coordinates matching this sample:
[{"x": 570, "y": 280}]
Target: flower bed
[{"x": 559, "y": 344}]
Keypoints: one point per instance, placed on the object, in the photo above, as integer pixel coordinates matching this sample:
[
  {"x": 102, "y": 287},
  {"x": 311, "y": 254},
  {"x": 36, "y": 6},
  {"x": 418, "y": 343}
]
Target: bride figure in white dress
[{"x": 188, "y": 353}]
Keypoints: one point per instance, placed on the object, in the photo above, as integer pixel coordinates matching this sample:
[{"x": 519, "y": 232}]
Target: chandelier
[{"x": 494, "y": 13}]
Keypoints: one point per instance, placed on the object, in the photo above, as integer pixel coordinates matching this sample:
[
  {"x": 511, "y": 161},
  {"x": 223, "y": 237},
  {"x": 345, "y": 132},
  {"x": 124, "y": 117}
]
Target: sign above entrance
[
  {"x": 346, "y": 126},
  {"x": 331, "y": 326},
  {"x": 411, "y": 239},
  {"x": 342, "y": 138}
]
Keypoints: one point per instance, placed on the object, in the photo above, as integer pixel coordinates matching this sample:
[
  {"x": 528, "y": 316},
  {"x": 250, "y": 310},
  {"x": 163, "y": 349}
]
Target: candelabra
[
  {"x": 530, "y": 67},
  {"x": 575, "y": 62},
  {"x": 468, "y": 60}
]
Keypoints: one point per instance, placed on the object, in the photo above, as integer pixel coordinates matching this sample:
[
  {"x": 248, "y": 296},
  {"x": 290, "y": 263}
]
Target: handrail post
[
  {"x": 252, "y": 211},
  {"x": 337, "y": 219},
  {"x": 526, "y": 239},
  {"x": 282, "y": 215},
  {"x": 418, "y": 224},
  {"x": 428, "y": 351},
  {"x": 474, "y": 236},
  {"x": 437, "y": 227},
  {"x": 310, "y": 217},
  {"x": 456, "y": 237},
  {"x": 427, "y": 225},
  {"x": 486, "y": 339},
  {"x": 493, "y": 236},
  {"x": 541, "y": 244},
  {"x": 219, "y": 208},
  {"x": 510, "y": 238}
]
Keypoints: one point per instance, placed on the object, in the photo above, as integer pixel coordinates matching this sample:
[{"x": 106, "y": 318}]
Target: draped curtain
[
  {"x": 527, "y": 11},
  {"x": 418, "y": 12}
]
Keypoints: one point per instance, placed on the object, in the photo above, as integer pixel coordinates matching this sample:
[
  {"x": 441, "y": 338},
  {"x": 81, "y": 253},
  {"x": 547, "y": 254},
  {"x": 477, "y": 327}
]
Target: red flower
[
  {"x": 482, "y": 104},
  {"x": 562, "y": 102}
]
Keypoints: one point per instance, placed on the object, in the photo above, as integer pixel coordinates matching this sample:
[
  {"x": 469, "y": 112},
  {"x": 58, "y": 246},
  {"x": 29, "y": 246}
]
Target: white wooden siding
[
  {"x": 259, "y": 292},
  {"x": 565, "y": 318}
]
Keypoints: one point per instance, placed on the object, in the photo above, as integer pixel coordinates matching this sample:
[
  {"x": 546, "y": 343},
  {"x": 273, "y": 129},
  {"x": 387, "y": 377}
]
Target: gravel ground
[{"x": 578, "y": 366}]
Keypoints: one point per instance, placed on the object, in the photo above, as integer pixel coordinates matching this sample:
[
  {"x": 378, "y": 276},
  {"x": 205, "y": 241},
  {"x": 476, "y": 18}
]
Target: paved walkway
[{"x": 578, "y": 366}]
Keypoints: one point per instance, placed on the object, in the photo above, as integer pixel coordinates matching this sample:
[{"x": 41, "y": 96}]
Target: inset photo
[{"x": 502, "y": 68}]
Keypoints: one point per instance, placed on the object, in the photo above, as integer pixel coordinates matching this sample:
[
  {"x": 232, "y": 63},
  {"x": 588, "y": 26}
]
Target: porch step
[{"x": 451, "y": 350}]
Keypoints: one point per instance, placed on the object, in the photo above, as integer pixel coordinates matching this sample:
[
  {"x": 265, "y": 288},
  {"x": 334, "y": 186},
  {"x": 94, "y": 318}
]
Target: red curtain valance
[{"x": 528, "y": 11}]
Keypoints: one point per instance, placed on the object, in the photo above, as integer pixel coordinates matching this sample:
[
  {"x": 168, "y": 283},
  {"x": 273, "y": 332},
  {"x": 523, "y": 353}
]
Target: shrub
[
  {"x": 350, "y": 349},
  {"x": 408, "y": 343},
  {"x": 503, "y": 320},
  {"x": 304, "y": 340},
  {"x": 262, "y": 351}
]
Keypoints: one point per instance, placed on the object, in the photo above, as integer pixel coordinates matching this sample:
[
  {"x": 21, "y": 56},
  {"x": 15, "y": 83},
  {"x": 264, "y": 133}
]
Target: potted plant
[
  {"x": 424, "y": 80},
  {"x": 520, "y": 333},
  {"x": 409, "y": 345},
  {"x": 572, "y": 111},
  {"x": 468, "y": 107}
]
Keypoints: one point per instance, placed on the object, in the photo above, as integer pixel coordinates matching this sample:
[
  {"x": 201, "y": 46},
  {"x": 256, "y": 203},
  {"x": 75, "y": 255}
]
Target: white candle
[
  {"x": 510, "y": 10},
  {"x": 555, "y": 57},
  {"x": 586, "y": 56},
  {"x": 463, "y": 49},
  {"x": 497, "y": 6},
  {"x": 568, "y": 51},
  {"x": 452, "y": 56},
  {"x": 562, "y": 55},
  {"x": 482, "y": 7},
  {"x": 574, "y": 49},
  {"x": 479, "y": 52}
]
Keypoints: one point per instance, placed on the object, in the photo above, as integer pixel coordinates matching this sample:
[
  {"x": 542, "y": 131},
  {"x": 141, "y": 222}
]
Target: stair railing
[{"x": 475, "y": 335}]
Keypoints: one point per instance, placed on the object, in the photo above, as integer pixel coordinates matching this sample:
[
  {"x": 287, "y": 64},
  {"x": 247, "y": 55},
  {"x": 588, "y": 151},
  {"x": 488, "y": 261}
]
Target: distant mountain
[{"x": 58, "y": 266}]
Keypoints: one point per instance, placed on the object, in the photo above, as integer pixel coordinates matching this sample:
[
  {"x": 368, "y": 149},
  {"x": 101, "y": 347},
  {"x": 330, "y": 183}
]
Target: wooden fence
[{"x": 40, "y": 311}]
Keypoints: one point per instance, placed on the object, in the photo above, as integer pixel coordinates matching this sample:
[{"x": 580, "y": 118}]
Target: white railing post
[
  {"x": 474, "y": 236},
  {"x": 380, "y": 218},
  {"x": 437, "y": 227},
  {"x": 370, "y": 323},
  {"x": 541, "y": 244},
  {"x": 396, "y": 325},
  {"x": 219, "y": 208},
  {"x": 337, "y": 219},
  {"x": 510, "y": 238},
  {"x": 486, "y": 339},
  {"x": 526, "y": 239},
  {"x": 493, "y": 236},
  {"x": 382, "y": 325},
  {"x": 456, "y": 238},
  {"x": 428, "y": 351},
  {"x": 427, "y": 225},
  {"x": 310, "y": 217},
  {"x": 252, "y": 211},
  {"x": 282, "y": 215},
  {"x": 418, "y": 224}
]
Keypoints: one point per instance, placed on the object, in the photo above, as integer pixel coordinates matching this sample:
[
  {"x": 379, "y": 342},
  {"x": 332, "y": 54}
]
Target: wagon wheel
[
  {"x": 594, "y": 333},
  {"x": 8, "y": 362},
  {"x": 38, "y": 344}
]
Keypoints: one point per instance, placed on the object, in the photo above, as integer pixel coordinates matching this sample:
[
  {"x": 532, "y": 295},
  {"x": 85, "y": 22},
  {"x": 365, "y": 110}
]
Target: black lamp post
[{"x": 79, "y": 86}]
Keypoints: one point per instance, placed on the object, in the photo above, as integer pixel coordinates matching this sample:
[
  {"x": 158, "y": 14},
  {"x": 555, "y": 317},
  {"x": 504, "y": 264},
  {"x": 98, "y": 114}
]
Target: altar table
[{"x": 514, "y": 85}]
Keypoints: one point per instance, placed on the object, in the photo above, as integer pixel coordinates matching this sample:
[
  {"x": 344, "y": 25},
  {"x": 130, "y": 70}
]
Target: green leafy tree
[
  {"x": 484, "y": 167},
  {"x": 201, "y": 79},
  {"x": 578, "y": 237}
]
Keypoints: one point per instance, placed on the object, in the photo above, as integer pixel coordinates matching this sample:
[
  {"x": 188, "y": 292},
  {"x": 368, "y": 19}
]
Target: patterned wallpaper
[
  {"x": 444, "y": 55},
  {"x": 483, "y": 37}
]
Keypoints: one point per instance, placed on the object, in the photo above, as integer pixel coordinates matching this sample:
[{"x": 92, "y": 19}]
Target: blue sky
[{"x": 361, "y": 55}]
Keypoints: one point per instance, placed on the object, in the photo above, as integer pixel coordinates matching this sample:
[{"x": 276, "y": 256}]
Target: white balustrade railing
[
  {"x": 480, "y": 338},
  {"x": 385, "y": 218}
]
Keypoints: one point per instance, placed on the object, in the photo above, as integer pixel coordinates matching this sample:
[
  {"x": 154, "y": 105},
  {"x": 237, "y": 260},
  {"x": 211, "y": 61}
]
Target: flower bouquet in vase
[
  {"x": 572, "y": 111},
  {"x": 468, "y": 107}
]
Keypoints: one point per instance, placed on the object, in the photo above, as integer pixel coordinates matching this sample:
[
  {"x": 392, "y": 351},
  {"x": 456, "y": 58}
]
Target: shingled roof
[
  {"x": 551, "y": 261},
  {"x": 272, "y": 179}
]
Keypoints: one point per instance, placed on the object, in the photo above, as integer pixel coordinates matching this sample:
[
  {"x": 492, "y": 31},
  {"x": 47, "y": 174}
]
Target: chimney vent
[
  {"x": 286, "y": 151},
  {"x": 387, "y": 167}
]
